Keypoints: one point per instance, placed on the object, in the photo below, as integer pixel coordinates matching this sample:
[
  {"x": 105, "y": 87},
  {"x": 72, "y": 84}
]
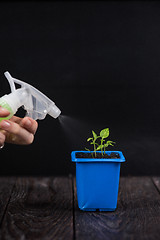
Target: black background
[{"x": 100, "y": 63}]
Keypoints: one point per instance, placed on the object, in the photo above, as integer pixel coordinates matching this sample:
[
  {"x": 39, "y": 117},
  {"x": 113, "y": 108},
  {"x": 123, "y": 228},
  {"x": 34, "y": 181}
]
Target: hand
[{"x": 16, "y": 130}]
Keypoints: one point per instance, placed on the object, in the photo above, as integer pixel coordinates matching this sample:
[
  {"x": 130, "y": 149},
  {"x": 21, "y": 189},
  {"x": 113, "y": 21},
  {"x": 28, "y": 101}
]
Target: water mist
[{"x": 75, "y": 130}]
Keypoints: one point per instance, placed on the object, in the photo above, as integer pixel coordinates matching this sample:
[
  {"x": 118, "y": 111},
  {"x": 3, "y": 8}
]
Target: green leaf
[
  {"x": 87, "y": 149},
  {"x": 106, "y": 145},
  {"x": 104, "y": 133},
  {"x": 94, "y": 135},
  {"x": 111, "y": 143},
  {"x": 89, "y": 139},
  {"x": 99, "y": 147}
]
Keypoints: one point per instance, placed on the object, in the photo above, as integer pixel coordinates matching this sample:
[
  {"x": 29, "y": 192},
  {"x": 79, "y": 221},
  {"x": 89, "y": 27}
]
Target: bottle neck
[{"x": 16, "y": 99}]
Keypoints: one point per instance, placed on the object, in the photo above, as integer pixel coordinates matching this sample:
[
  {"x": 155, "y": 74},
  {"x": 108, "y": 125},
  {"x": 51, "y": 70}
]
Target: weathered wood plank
[
  {"x": 137, "y": 215},
  {"x": 156, "y": 181},
  {"x": 6, "y": 186},
  {"x": 39, "y": 208}
]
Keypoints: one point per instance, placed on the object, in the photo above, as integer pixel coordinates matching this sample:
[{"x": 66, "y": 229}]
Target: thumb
[{"x": 4, "y": 112}]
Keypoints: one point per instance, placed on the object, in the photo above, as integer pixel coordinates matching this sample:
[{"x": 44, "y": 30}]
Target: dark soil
[{"x": 98, "y": 155}]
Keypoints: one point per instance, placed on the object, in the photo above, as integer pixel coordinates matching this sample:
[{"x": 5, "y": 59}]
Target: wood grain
[
  {"x": 42, "y": 208},
  {"x": 6, "y": 187},
  {"x": 137, "y": 215},
  {"x": 39, "y": 208},
  {"x": 156, "y": 181}
]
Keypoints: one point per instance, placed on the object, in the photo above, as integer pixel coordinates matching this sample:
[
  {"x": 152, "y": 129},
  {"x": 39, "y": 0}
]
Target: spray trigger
[{"x": 34, "y": 102}]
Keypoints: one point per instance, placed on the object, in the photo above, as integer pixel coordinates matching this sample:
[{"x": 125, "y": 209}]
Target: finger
[
  {"x": 16, "y": 119},
  {"x": 4, "y": 112},
  {"x": 2, "y": 139},
  {"x": 29, "y": 124},
  {"x": 17, "y": 134}
]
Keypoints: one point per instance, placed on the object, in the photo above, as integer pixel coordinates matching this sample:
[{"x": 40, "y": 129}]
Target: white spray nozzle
[{"x": 35, "y": 103}]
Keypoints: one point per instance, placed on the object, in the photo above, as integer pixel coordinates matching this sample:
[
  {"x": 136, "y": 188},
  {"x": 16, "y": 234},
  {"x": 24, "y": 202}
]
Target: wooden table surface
[{"x": 46, "y": 208}]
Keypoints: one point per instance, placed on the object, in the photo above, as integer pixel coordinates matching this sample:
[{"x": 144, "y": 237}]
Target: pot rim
[{"x": 101, "y": 160}]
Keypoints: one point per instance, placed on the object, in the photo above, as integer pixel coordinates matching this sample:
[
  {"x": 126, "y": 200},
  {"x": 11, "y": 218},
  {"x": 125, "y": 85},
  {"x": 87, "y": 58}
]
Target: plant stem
[
  {"x": 94, "y": 144},
  {"x": 92, "y": 155},
  {"x": 102, "y": 146}
]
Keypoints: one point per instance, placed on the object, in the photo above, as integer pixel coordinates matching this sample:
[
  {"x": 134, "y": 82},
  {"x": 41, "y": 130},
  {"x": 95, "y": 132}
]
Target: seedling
[{"x": 102, "y": 145}]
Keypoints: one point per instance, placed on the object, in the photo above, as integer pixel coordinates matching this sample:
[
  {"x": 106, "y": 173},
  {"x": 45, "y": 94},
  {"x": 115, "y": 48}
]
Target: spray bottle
[{"x": 34, "y": 102}]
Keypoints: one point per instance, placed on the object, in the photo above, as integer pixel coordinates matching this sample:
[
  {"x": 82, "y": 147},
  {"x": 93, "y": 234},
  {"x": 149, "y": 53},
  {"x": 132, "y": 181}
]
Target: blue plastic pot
[{"x": 97, "y": 182}]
